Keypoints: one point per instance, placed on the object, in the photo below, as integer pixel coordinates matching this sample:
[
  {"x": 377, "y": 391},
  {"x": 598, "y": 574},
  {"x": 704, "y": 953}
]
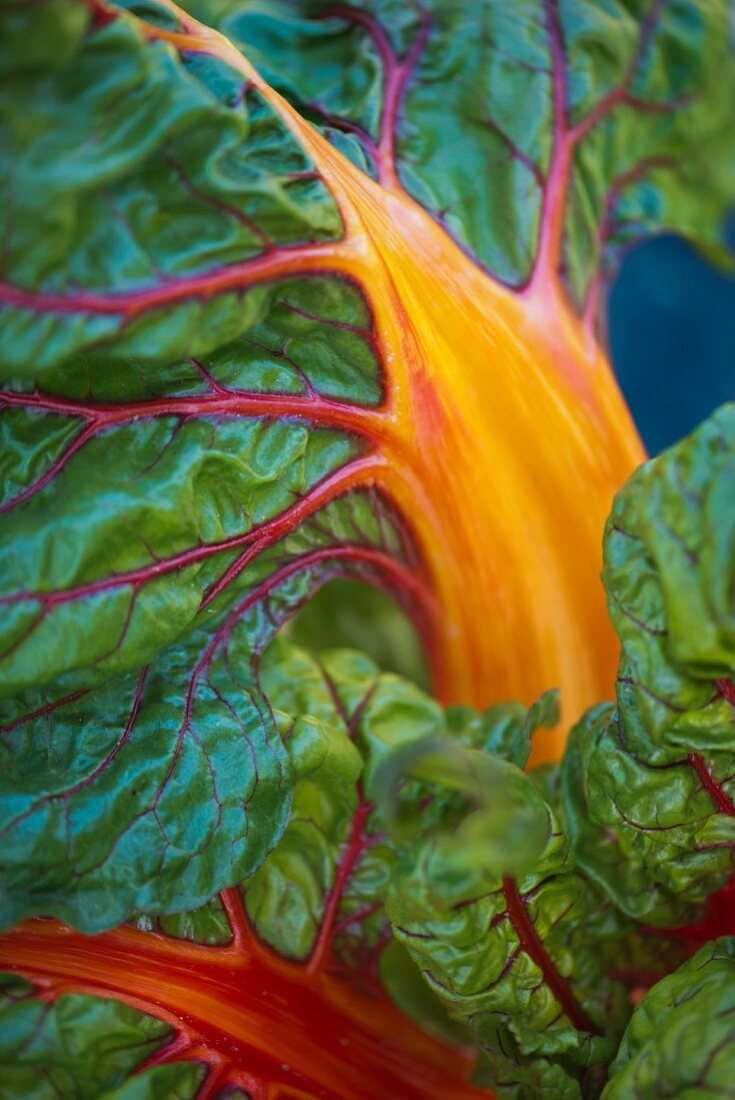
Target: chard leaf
[
  {"x": 669, "y": 554},
  {"x": 172, "y": 412},
  {"x": 681, "y": 1038},
  {"x": 648, "y": 786},
  {"x": 345, "y": 725},
  {"x": 157, "y": 789},
  {"x": 225, "y": 373},
  {"x": 514, "y": 957},
  {"x": 309, "y": 917},
  {"x": 162, "y": 510},
  {"x": 83, "y": 1046},
  {"x": 546, "y": 135},
  {"x": 653, "y": 826}
]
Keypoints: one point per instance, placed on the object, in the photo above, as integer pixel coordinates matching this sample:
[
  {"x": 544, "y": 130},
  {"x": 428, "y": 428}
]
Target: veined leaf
[
  {"x": 600, "y": 98},
  {"x": 343, "y": 723},
  {"x": 83, "y": 1046},
  {"x": 654, "y": 827},
  {"x": 648, "y": 787},
  {"x": 513, "y": 956},
  {"x": 215, "y": 324},
  {"x": 293, "y": 929},
  {"x": 157, "y": 789},
  {"x": 669, "y": 554},
  {"x": 679, "y": 1041}
]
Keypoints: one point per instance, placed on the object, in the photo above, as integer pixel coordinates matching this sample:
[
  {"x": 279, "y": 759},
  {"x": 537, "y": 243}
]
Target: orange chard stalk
[{"x": 503, "y": 436}]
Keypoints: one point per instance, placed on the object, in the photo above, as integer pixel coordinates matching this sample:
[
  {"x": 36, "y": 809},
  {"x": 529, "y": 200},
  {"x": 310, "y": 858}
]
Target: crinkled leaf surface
[
  {"x": 310, "y": 916},
  {"x": 162, "y": 509},
  {"x": 680, "y": 1040},
  {"x": 183, "y": 386},
  {"x": 85, "y": 1047},
  {"x": 648, "y": 787},
  {"x": 655, "y": 827},
  {"x": 669, "y": 575},
  {"x": 513, "y": 957},
  {"x": 156, "y": 790},
  {"x": 341, "y": 721}
]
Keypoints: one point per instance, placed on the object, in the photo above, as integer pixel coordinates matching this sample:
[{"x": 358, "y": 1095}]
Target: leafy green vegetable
[
  {"x": 83, "y": 1046},
  {"x": 112, "y": 815},
  {"x": 238, "y": 362},
  {"x": 611, "y": 94},
  {"x": 524, "y": 955},
  {"x": 362, "y": 727},
  {"x": 643, "y": 822},
  {"x": 649, "y": 792},
  {"x": 510, "y": 955},
  {"x": 669, "y": 575},
  {"x": 679, "y": 1041}
]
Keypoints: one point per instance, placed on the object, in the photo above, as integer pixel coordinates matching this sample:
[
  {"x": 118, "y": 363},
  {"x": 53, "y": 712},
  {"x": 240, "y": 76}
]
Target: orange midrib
[
  {"x": 506, "y": 438},
  {"x": 512, "y": 440},
  {"x": 251, "y": 1008}
]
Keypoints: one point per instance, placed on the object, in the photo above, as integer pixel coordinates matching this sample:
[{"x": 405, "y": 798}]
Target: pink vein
[
  {"x": 222, "y": 403},
  {"x": 395, "y": 572},
  {"x": 621, "y": 93},
  {"x": 47, "y": 709},
  {"x": 715, "y": 790},
  {"x": 244, "y": 939},
  {"x": 397, "y": 74},
  {"x": 356, "y": 472},
  {"x": 280, "y": 262},
  {"x": 354, "y": 848},
  {"x": 637, "y": 172},
  {"x": 531, "y": 943},
  {"x": 726, "y": 689},
  {"x": 549, "y": 251},
  {"x": 722, "y": 801},
  {"x": 549, "y": 244},
  {"x": 68, "y": 792}
]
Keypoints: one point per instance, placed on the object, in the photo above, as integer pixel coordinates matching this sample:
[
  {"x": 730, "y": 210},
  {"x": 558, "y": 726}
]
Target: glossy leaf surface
[
  {"x": 599, "y": 98},
  {"x": 670, "y": 549},
  {"x": 293, "y": 932},
  {"x": 84, "y": 1047},
  {"x": 200, "y": 309}
]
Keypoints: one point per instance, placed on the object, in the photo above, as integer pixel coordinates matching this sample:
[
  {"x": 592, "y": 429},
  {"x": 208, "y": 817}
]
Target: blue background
[{"x": 672, "y": 338}]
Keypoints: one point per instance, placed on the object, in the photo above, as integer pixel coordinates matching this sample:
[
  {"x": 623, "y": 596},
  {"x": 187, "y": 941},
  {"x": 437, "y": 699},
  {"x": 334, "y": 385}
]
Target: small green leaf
[
  {"x": 511, "y": 956},
  {"x": 649, "y": 793},
  {"x": 669, "y": 574},
  {"x": 85, "y": 1047},
  {"x": 681, "y": 1038},
  {"x": 500, "y": 821},
  {"x": 641, "y": 822}
]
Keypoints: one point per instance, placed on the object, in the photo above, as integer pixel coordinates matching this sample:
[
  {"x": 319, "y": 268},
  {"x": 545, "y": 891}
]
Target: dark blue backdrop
[{"x": 672, "y": 335}]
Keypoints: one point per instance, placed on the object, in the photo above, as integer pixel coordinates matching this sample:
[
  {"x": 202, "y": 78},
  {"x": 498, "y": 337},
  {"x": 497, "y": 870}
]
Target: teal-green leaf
[
  {"x": 648, "y": 788},
  {"x": 84, "y": 1047},
  {"x": 630, "y": 101},
  {"x": 156, "y": 790}
]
